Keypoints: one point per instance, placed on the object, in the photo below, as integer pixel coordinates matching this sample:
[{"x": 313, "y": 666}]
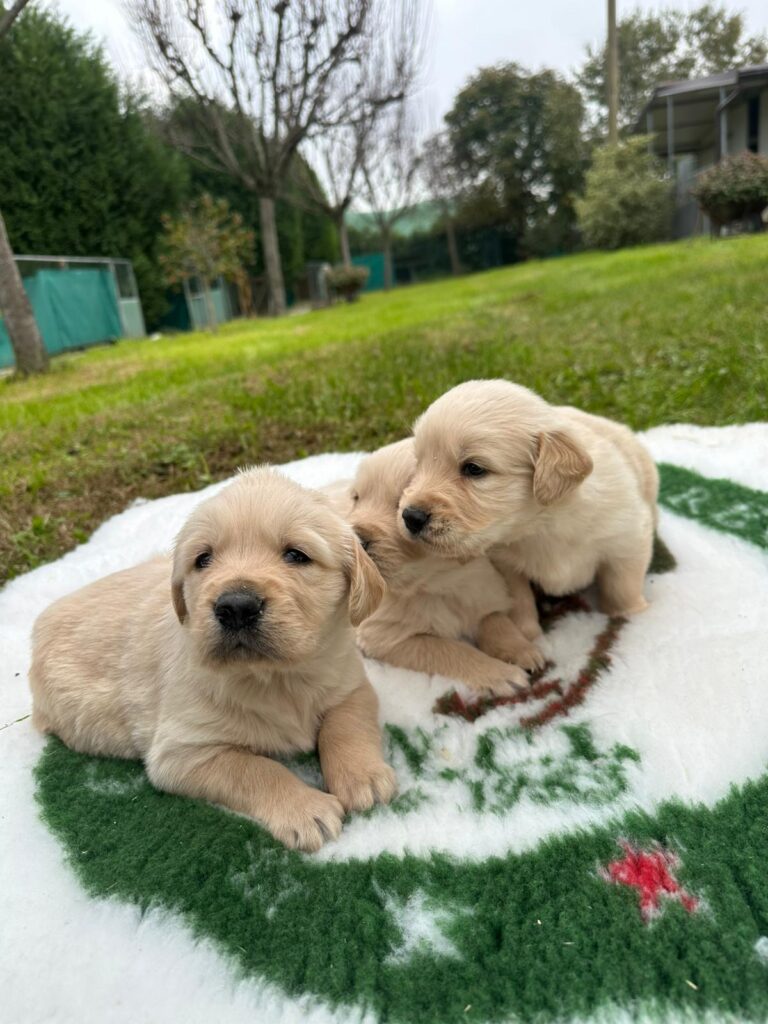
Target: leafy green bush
[
  {"x": 347, "y": 281},
  {"x": 735, "y": 188},
  {"x": 627, "y": 199}
]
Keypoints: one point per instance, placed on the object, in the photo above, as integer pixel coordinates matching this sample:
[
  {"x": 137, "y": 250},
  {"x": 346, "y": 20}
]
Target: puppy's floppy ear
[
  {"x": 177, "y": 586},
  {"x": 561, "y": 465},
  {"x": 366, "y": 587}
]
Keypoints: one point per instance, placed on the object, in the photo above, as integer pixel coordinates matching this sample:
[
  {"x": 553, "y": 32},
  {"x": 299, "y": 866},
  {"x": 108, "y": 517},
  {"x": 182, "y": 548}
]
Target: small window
[{"x": 753, "y": 124}]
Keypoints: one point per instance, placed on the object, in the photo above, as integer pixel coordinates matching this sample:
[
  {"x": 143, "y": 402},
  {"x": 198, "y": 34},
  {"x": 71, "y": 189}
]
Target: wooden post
[
  {"x": 670, "y": 136},
  {"x": 723, "y": 126},
  {"x": 612, "y": 77}
]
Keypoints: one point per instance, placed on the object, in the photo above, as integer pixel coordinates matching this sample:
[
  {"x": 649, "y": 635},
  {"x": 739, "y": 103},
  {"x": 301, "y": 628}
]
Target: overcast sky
[{"x": 467, "y": 34}]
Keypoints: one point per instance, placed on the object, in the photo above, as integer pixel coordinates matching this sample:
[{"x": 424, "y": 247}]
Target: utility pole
[{"x": 612, "y": 77}]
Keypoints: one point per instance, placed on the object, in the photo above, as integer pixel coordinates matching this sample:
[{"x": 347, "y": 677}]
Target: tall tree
[
  {"x": 28, "y": 348},
  {"x": 337, "y": 155},
  {"x": 304, "y": 231},
  {"x": 662, "y": 46},
  {"x": 335, "y": 177},
  {"x": 391, "y": 173},
  {"x": 517, "y": 141},
  {"x": 285, "y": 70}
]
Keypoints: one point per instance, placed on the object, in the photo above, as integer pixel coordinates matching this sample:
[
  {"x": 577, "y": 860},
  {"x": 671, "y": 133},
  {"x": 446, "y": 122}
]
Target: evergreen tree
[{"x": 81, "y": 171}]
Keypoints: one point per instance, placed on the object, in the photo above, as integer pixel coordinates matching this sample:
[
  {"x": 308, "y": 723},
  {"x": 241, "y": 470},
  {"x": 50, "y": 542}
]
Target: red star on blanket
[{"x": 651, "y": 872}]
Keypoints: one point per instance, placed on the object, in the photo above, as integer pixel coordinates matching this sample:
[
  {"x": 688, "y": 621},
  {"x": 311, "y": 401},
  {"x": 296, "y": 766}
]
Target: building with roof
[{"x": 694, "y": 123}]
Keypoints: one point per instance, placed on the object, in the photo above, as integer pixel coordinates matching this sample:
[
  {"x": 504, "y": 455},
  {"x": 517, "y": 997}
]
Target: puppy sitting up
[
  {"x": 551, "y": 492},
  {"x": 239, "y": 650},
  {"x": 435, "y": 609}
]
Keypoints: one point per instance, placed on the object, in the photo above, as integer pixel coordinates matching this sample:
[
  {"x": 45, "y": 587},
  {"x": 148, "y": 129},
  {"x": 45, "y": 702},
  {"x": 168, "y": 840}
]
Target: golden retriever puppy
[
  {"x": 553, "y": 493},
  {"x": 240, "y": 649},
  {"x": 439, "y": 615}
]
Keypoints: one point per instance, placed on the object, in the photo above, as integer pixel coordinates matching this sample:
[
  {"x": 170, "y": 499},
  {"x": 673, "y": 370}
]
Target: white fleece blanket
[{"x": 686, "y": 693}]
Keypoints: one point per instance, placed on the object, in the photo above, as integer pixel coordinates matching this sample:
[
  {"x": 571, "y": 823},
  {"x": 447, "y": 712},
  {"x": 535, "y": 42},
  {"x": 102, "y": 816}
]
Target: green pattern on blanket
[
  {"x": 537, "y": 936},
  {"x": 532, "y": 935},
  {"x": 500, "y": 770},
  {"x": 721, "y": 504}
]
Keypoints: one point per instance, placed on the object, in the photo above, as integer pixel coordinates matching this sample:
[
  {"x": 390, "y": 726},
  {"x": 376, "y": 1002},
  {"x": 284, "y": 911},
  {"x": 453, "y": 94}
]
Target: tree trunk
[
  {"x": 271, "y": 250},
  {"x": 346, "y": 255},
  {"x": 28, "y": 348},
  {"x": 389, "y": 274},
  {"x": 453, "y": 249},
  {"x": 209, "y": 310}
]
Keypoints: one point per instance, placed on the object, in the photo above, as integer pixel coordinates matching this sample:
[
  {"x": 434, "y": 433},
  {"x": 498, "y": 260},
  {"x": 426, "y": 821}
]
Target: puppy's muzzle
[
  {"x": 238, "y": 611},
  {"x": 415, "y": 519}
]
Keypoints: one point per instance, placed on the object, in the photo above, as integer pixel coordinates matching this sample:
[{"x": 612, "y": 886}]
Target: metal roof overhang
[{"x": 695, "y": 105}]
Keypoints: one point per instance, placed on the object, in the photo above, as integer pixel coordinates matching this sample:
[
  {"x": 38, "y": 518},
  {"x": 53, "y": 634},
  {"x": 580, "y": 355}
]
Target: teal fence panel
[
  {"x": 198, "y": 308},
  {"x": 132, "y": 318},
  {"x": 73, "y": 309},
  {"x": 6, "y": 352},
  {"x": 374, "y": 261}
]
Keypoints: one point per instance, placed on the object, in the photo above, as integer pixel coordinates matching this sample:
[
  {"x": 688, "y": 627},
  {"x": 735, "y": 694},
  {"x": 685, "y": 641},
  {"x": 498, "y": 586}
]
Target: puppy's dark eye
[
  {"x": 295, "y": 557},
  {"x": 355, "y": 496},
  {"x": 203, "y": 560},
  {"x": 472, "y": 469}
]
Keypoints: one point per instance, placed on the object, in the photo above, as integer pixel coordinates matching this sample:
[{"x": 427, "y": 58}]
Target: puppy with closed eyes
[
  {"x": 551, "y": 492},
  {"x": 238, "y": 650},
  {"x": 439, "y": 615}
]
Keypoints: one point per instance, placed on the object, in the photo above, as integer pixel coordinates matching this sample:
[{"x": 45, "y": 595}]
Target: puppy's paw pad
[
  {"x": 359, "y": 790},
  {"x": 309, "y": 822}
]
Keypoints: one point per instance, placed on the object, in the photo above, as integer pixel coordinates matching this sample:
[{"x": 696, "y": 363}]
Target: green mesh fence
[{"x": 73, "y": 308}]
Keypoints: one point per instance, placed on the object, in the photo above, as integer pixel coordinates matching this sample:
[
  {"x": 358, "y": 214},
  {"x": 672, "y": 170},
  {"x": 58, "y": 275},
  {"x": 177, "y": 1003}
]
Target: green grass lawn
[{"x": 653, "y": 335}]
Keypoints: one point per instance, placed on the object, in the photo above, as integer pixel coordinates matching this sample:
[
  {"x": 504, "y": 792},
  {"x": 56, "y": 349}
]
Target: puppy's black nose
[
  {"x": 237, "y": 610},
  {"x": 415, "y": 519}
]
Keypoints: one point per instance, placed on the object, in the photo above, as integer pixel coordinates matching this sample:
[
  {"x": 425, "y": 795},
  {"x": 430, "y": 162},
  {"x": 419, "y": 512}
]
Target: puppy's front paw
[
  {"x": 306, "y": 821},
  {"x": 359, "y": 788},
  {"x": 506, "y": 682},
  {"x": 615, "y": 610},
  {"x": 515, "y": 649},
  {"x": 525, "y": 654},
  {"x": 530, "y": 628}
]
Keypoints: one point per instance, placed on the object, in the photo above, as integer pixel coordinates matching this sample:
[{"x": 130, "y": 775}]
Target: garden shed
[
  {"x": 78, "y": 301},
  {"x": 694, "y": 123}
]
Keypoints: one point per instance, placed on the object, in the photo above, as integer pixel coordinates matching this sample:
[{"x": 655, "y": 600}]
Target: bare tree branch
[
  {"x": 267, "y": 75},
  {"x": 398, "y": 31},
  {"x": 390, "y": 170},
  {"x": 8, "y": 17}
]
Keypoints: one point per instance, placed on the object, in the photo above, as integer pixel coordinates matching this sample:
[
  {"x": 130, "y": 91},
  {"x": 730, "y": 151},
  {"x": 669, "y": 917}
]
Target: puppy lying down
[
  {"x": 439, "y": 615},
  {"x": 239, "y": 649}
]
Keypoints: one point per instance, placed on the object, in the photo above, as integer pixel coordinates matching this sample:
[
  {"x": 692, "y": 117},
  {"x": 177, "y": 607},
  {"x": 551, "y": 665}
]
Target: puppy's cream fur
[
  {"x": 439, "y": 615},
  {"x": 565, "y": 497},
  {"x": 137, "y": 665}
]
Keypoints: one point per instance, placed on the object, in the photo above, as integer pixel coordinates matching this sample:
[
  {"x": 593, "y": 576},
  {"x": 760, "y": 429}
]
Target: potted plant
[
  {"x": 733, "y": 190},
  {"x": 347, "y": 281}
]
